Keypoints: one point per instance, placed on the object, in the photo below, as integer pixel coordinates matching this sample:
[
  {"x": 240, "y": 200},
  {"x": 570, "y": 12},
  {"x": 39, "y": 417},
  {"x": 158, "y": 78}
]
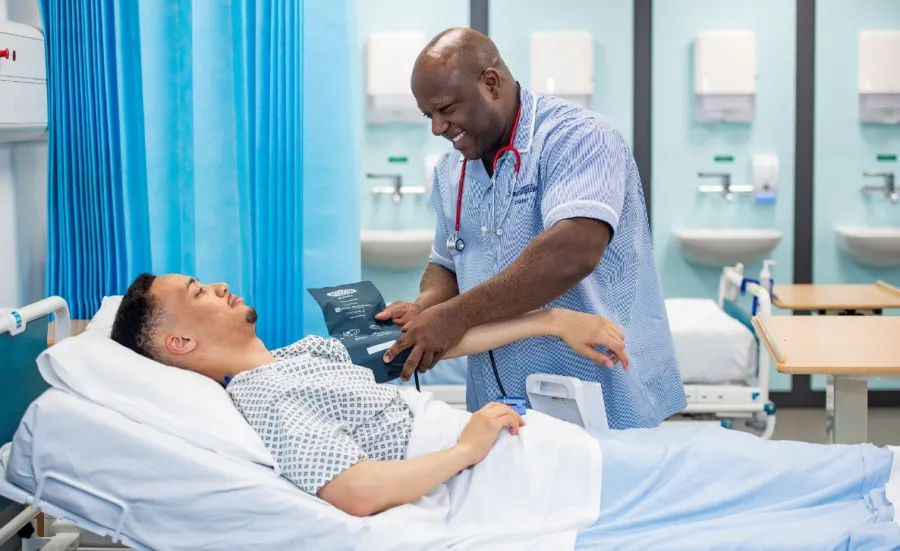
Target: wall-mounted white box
[
  {"x": 562, "y": 64},
  {"x": 725, "y": 76},
  {"x": 389, "y": 63},
  {"x": 879, "y": 76},
  {"x": 23, "y": 83}
]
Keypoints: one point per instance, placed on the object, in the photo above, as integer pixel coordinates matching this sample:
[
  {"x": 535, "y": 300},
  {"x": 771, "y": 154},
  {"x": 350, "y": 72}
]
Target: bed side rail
[
  {"x": 733, "y": 284},
  {"x": 15, "y": 321},
  {"x": 23, "y": 337}
]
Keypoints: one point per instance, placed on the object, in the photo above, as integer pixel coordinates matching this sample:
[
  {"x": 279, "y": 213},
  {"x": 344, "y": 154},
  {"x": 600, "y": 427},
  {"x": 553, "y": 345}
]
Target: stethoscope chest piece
[{"x": 455, "y": 244}]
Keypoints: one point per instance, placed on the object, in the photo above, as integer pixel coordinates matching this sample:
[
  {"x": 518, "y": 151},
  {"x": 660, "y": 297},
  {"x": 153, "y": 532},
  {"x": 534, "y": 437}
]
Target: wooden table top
[
  {"x": 832, "y": 345},
  {"x": 836, "y": 297}
]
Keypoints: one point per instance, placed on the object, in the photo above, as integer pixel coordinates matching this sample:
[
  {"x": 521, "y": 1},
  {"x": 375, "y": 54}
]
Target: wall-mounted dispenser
[
  {"x": 725, "y": 76},
  {"x": 562, "y": 64},
  {"x": 23, "y": 83},
  {"x": 879, "y": 76},
  {"x": 765, "y": 178},
  {"x": 389, "y": 63}
]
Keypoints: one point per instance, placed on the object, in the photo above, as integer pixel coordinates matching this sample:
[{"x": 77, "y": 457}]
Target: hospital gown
[
  {"x": 318, "y": 414},
  {"x": 709, "y": 488}
]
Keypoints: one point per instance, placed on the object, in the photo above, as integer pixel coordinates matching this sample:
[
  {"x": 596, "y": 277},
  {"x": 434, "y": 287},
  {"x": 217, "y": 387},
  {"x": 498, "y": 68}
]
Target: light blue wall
[
  {"x": 844, "y": 147},
  {"x": 413, "y": 141},
  {"x": 681, "y": 148},
  {"x": 609, "y": 21}
]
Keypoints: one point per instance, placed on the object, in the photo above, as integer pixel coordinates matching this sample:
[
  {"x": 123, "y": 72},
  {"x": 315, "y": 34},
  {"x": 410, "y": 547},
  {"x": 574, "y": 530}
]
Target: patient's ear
[{"x": 179, "y": 344}]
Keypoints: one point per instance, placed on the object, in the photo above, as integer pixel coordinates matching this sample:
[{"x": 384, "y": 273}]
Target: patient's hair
[{"x": 138, "y": 318}]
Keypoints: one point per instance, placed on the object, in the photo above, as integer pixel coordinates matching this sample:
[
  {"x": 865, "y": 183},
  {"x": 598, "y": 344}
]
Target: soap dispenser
[{"x": 765, "y": 276}]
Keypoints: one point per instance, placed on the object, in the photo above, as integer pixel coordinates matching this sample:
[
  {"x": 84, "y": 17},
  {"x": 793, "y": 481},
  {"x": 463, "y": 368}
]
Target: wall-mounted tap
[
  {"x": 726, "y": 188},
  {"x": 889, "y": 189},
  {"x": 396, "y": 189}
]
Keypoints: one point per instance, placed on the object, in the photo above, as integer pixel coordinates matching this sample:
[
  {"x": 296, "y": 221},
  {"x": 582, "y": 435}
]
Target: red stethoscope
[{"x": 455, "y": 243}]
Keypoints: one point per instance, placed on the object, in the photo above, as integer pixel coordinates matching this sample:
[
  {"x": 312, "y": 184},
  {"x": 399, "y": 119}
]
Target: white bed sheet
[
  {"x": 711, "y": 347},
  {"x": 254, "y": 508},
  {"x": 183, "y": 497}
]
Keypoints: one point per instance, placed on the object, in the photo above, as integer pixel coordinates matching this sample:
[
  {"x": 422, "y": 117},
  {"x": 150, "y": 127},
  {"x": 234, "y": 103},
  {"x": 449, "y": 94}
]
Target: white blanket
[{"x": 532, "y": 492}]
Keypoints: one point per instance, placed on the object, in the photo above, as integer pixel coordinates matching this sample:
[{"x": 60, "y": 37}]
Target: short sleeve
[
  {"x": 328, "y": 348},
  {"x": 310, "y": 452},
  {"x": 586, "y": 170},
  {"x": 439, "y": 254}
]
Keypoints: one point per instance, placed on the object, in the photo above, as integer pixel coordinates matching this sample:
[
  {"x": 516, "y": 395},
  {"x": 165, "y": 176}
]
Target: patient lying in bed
[{"x": 337, "y": 434}]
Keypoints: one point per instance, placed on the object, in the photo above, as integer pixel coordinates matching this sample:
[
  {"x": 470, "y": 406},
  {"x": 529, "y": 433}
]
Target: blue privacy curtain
[{"x": 199, "y": 137}]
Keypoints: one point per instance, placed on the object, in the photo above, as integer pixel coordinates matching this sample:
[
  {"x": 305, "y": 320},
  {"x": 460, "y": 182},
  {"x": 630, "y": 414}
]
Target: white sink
[
  {"x": 726, "y": 247},
  {"x": 397, "y": 249},
  {"x": 878, "y": 247}
]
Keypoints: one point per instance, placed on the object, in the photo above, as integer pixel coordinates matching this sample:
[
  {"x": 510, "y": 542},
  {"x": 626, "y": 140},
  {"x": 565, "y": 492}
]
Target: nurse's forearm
[
  {"x": 438, "y": 285},
  {"x": 553, "y": 263}
]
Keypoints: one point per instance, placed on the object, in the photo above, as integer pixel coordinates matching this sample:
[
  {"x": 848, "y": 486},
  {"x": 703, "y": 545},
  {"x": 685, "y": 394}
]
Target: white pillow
[
  {"x": 102, "y": 321},
  {"x": 179, "y": 402}
]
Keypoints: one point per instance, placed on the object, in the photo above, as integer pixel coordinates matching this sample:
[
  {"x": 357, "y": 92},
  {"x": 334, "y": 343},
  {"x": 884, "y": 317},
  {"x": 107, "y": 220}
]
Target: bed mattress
[
  {"x": 155, "y": 474},
  {"x": 711, "y": 347}
]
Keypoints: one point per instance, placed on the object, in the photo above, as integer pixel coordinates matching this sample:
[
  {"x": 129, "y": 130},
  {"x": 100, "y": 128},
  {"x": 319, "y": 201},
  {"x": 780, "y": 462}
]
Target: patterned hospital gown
[{"x": 318, "y": 414}]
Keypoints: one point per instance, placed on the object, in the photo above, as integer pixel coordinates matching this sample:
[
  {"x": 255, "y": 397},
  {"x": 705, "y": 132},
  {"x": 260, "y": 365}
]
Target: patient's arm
[
  {"x": 370, "y": 487},
  {"x": 581, "y": 331}
]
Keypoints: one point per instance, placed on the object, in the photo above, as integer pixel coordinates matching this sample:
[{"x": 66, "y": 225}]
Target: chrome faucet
[
  {"x": 889, "y": 188},
  {"x": 393, "y": 190},
  {"x": 396, "y": 189},
  {"x": 724, "y": 187}
]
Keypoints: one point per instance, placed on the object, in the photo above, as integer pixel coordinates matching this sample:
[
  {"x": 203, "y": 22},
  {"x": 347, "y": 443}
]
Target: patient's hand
[
  {"x": 583, "y": 332},
  {"x": 481, "y": 432}
]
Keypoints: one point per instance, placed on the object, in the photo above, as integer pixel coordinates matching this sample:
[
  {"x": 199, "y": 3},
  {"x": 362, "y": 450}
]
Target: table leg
[
  {"x": 851, "y": 411},
  {"x": 829, "y": 409}
]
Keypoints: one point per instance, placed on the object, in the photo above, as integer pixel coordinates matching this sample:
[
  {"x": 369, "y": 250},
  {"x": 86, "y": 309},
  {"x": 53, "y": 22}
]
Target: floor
[{"x": 808, "y": 425}]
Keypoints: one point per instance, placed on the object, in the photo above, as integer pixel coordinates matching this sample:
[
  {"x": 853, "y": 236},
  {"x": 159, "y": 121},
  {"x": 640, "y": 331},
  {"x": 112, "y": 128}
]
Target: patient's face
[{"x": 203, "y": 312}]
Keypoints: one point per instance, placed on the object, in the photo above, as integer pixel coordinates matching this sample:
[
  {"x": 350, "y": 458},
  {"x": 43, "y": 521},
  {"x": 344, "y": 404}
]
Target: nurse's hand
[
  {"x": 584, "y": 332},
  {"x": 400, "y": 312},
  {"x": 430, "y": 334}
]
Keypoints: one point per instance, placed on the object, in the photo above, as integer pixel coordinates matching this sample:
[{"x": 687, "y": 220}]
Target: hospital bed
[
  {"x": 90, "y": 423},
  {"x": 724, "y": 370}
]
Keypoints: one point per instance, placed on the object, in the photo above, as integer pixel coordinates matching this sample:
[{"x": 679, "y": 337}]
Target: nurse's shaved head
[
  {"x": 464, "y": 49},
  {"x": 462, "y": 84}
]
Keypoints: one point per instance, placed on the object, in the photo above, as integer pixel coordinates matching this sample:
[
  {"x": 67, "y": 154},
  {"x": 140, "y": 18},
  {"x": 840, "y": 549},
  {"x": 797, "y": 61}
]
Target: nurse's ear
[{"x": 493, "y": 81}]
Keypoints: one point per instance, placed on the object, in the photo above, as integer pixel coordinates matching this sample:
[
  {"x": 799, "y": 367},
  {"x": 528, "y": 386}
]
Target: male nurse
[{"x": 561, "y": 224}]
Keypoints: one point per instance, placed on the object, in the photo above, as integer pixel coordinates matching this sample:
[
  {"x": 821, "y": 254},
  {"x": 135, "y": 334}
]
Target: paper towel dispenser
[
  {"x": 562, "y": 64},
  {"x": 389, "y": 61},
  {"x": 725, "y": 76},
  {"x": 879, "y": 76},
  {"x": 23, "y": 83}
]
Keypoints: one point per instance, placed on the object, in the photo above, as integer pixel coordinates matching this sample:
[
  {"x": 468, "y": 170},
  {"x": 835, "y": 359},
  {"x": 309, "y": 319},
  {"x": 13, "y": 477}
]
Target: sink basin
[
  {"x": 879, "y": 247},
  {"x": 396, "y": 249},
  {"x": 726, "y": 247}
]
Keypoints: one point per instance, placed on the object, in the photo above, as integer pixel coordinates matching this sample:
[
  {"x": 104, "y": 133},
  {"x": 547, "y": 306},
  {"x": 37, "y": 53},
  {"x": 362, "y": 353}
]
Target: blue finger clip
[{"x": 516, "y": 403}]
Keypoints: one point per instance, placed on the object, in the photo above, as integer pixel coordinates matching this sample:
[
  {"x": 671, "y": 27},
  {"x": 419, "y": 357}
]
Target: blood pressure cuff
[{"x": 349, "y": 312}]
